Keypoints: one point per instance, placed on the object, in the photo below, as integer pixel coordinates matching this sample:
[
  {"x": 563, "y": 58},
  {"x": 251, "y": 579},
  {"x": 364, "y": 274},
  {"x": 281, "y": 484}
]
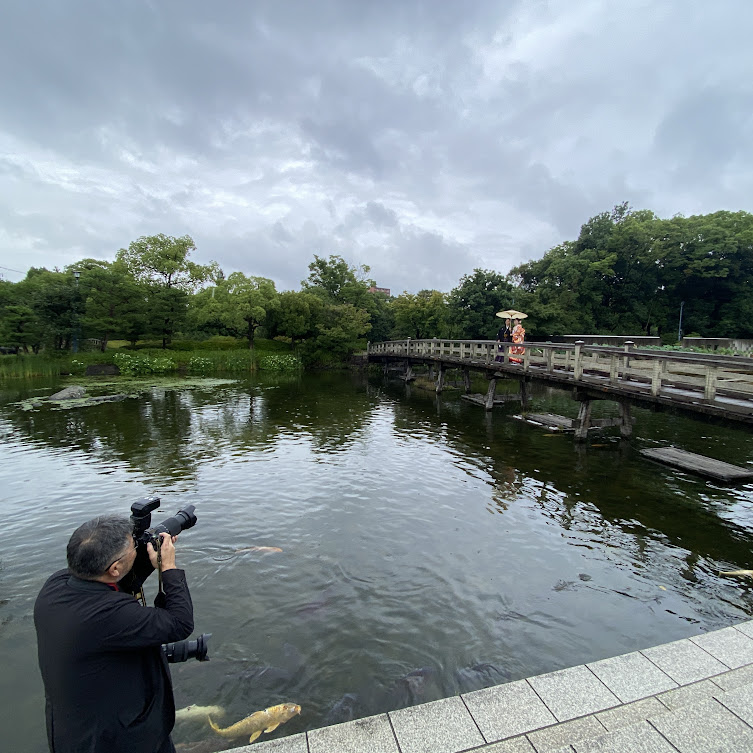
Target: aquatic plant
[
  {"x": 200, "y": 365},
  {"x": 286, "y": 362},
  {"x": 142, "y": 365}
]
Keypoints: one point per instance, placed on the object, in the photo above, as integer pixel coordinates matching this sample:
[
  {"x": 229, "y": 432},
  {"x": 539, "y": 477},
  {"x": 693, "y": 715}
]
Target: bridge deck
[
  {"x": 690, "y": 695},
  {"x": 719, "y": 386}
]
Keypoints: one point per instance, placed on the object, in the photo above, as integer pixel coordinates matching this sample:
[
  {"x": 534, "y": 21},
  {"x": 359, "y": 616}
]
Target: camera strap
[{"x": 159, "y": 566}]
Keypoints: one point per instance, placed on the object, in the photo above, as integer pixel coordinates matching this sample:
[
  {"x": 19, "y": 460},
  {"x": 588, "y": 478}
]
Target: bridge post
[
  {"x": 578, "y": 364},
  {"x": 613, "y": 370},
  {"x": 659, "y": 372},
  {"x": 407, "y": 347},
  {"x": 626, "y": 420},
  {"x": 440, "y": 379},
  {"x": 408, "y": 371},
  {"x": 583, "y": 422},
  {"x": 549, "y": 360},
  {"x": 523, "y": 394},
  {"x": 626, "y": 358},
  {"x": 709, "y": 389},
  {"x": 467, "y": 380},
  {"x": 489, "y": 402}
]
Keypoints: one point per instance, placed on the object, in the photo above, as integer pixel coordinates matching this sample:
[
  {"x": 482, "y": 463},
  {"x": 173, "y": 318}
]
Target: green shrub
[
  {"x": 200, "y": 365},
  {"x": 143, "y": 365},
  {"x": 285, "y": 362}
]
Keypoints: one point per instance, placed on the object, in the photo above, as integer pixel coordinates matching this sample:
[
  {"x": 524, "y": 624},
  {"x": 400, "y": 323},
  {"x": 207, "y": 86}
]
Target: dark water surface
[{"x": 419, "y": 535}]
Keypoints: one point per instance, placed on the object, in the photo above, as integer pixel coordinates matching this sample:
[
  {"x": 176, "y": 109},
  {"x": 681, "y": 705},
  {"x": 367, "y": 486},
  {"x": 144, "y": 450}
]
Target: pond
[{"x": 428, "y": 548}]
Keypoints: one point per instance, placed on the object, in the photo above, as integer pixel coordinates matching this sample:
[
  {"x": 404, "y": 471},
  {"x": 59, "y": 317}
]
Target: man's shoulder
[{"x": 60, "y": 577}]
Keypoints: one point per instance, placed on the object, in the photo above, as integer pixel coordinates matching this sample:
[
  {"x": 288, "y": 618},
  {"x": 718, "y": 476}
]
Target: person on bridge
[
  {"x": 518, "y": 337},
  {"x": 504, "y": 335}
]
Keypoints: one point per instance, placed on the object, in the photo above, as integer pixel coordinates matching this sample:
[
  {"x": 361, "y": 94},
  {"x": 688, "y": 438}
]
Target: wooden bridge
[{"x": 720, "y": 386}]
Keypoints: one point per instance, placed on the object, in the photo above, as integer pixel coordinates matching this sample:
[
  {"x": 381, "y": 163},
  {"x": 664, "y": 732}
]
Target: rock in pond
[{"x": 69, "y": 393}]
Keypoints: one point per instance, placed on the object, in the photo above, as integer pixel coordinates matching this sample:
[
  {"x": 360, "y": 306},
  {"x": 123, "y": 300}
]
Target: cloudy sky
[{"x": 424, "y": 138}]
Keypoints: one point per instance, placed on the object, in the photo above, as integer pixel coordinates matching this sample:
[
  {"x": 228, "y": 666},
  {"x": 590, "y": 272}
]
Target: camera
[
  {"x": 141, "y": 517},
  {"x": 188, "y": 649}
]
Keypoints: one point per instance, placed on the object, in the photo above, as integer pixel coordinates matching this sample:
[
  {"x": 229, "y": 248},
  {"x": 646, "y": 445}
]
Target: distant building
[{"x": 386, "y": 291}]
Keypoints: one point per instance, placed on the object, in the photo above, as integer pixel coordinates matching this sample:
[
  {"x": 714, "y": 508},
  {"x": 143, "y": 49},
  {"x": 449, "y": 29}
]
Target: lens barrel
[
  {"x": 182, "y": 520},
  {"x": 181, "y": 651}
]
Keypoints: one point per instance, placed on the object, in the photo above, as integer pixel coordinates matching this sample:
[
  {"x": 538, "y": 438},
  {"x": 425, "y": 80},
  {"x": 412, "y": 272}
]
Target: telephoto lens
[{"x": 184, "y": 650}]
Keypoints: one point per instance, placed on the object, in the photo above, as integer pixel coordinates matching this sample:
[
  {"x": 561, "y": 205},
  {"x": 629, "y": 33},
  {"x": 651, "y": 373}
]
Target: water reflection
[{"x": 168, "y": 434}]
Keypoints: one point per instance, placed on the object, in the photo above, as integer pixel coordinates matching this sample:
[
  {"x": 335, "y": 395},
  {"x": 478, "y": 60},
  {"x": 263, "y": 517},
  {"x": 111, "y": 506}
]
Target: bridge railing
[{"x": 643, "y": 370}]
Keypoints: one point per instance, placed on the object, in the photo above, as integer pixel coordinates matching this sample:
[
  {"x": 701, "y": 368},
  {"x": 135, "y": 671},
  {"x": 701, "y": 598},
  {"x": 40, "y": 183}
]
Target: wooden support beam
[
  {"x": 489, "y": 404},
  {"x": 626, "y": 420},
  {"x": 524, "y": 394},
  {"x": 583, "y": 422},
  {"x": 440, "y": 379},
  {"x": 467, "y": 380}
]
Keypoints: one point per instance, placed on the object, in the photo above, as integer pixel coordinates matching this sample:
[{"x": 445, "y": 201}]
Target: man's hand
[{"x": 167, "y": 550}]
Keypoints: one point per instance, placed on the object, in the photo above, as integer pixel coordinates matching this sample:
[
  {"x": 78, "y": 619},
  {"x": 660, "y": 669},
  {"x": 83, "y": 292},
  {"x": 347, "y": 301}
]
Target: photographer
[{"x": 107, "y": 683}]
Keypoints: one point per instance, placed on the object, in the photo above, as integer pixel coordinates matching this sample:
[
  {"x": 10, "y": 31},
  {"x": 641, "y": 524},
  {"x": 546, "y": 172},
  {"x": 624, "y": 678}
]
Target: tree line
[{"x": 627, "y": 272}]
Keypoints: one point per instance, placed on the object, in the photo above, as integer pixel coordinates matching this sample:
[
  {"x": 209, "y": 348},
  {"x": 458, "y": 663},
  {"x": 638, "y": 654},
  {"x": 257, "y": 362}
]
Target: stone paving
[{"x": 691, "y": 696}]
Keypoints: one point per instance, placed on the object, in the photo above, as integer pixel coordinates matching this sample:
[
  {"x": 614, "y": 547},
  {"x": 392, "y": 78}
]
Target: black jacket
[{"x": 107, "y": 683}]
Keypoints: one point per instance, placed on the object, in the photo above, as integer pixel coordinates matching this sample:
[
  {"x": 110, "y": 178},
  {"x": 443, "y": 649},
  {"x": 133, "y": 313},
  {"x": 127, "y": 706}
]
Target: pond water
[{"x": 428, "y": 548}]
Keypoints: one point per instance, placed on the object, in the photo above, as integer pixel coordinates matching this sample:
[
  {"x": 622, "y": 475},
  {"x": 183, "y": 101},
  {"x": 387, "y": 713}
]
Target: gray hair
[{"x": 95, "y": 545}]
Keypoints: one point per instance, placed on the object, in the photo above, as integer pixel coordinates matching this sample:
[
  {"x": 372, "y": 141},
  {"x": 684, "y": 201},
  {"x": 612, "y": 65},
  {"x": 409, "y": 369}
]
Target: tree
[
  {"x": 335, "y": 280},
  {"x": 420, "y": 315},
  {"x": 20, "y": 327},
  {"x": 161, "y": 262},
  {"x": 297, "y": 315},
  {"x": 474, "y": 302},
  {"x": 114, "y": 303},
  {"x": 340, "y": 329},
  {"x": 54, "y": 298},
  {"x": 240, "y": 304}
]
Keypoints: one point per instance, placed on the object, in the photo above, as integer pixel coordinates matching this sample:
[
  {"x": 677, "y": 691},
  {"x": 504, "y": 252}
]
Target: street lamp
[
  {"x": 76, "y": 275},
  {"x": 679, "y": 328}
]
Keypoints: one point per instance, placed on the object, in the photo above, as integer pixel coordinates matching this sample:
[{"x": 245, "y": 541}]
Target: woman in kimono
[{"x": 518, "y": 337}]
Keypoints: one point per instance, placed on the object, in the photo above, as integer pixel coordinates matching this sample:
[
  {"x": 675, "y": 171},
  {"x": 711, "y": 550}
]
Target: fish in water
[
  {"x": 343, "y": 711},
  {"x": 736, "y": 572},
  {"x": 267, "y": 720},
  {"x": 411, "y": 690},
  {"x": 479, "y": 676},
  {"x": 262, "y": 549},
  {"x": 198, "y": 712}
]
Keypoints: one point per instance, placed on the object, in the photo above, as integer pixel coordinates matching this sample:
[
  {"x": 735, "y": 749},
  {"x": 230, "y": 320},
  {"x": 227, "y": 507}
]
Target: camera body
[
  {"x": 141, "y": 517},
  {"x": 143, "y": 533}
]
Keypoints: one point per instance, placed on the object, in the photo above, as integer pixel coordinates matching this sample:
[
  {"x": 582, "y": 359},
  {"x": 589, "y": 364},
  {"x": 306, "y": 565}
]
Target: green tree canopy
[
  {"x": 162, "y": 263},
  {"x": 474, "y": 302},
  {"x": 241, "y": 304}
]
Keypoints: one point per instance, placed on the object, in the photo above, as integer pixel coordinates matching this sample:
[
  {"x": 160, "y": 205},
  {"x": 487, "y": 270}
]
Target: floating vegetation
[{"x": 116, "y": 391}]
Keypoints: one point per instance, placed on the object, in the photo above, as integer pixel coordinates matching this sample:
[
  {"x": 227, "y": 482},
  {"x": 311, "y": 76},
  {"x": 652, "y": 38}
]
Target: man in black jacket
[{"x": 107, "y": 683}]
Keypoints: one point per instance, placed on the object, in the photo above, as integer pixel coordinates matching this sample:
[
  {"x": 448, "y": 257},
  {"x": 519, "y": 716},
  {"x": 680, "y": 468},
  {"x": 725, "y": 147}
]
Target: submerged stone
[{"x": 69, "y": 393}]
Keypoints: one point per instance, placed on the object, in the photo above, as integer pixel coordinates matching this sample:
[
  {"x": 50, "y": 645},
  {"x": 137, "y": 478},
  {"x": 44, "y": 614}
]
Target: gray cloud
[{"x": 423, "y": 139}]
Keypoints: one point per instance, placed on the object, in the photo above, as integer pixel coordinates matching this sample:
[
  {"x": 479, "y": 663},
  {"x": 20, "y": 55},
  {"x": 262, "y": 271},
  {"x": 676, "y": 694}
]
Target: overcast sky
[{"x": 423, "y": 138}]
